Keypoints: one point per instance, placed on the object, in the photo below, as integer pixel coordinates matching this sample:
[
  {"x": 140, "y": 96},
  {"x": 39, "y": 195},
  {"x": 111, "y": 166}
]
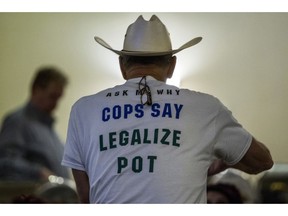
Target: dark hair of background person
[
  {"x": 46, "y": 75},
  {"x": 228, "y": 190}
]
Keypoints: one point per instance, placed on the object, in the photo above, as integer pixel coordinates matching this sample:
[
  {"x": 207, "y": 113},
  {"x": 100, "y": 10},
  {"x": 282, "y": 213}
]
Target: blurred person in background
[
  {"x": 30, "y": 149},
  {"x": 222, "y": 193},
  {"x": 241, "y": 180}
]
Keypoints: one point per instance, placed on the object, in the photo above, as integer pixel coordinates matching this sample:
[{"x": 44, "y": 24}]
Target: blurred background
[{"x": 242, "y": 60}]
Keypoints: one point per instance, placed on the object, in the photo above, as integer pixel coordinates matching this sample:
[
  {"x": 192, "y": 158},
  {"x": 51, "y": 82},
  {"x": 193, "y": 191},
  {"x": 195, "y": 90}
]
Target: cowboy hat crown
[{"x": 147, "y": 38}]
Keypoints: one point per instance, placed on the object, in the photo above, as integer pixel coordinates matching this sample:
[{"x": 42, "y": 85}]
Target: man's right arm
[{"x": 257, "y": 159}]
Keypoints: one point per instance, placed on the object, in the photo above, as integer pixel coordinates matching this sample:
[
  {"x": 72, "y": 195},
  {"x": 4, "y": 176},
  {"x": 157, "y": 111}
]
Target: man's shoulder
[
  {"x": 14, "y": 115},
  {"x": 99, "y": 96},
  {"x": 199, "y": 95}
]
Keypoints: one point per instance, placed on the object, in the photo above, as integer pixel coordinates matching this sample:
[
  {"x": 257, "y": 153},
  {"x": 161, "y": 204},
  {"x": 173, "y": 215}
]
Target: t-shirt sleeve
[
  {"x": 232, "y": 140},
  {"x": 73, "y": 154}
]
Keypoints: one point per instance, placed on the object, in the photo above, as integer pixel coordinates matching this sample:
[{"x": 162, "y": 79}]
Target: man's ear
[
  {"x": 171, "y": 66},
  {"x": 122, "y": 67}
]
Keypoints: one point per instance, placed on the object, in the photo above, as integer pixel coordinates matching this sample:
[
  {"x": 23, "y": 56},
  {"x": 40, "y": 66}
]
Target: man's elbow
[
  {"x": 268, "y": 164},
  {"x": 258, "y": 157},
  {"x": 252, "y": 166},
  {"x": 264, "y": 166}
]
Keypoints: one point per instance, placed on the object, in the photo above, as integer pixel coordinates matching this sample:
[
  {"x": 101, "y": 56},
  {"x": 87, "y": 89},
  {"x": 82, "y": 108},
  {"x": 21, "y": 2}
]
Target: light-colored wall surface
[{"x": 242, "y": 60}]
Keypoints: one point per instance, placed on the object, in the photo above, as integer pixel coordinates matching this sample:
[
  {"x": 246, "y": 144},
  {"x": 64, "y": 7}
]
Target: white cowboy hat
[{"x": 147, "y": 38}]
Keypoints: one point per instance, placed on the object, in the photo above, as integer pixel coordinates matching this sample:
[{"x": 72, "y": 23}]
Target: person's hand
[
  {"x": 45, "y": 173},
  {"x": 216, "y": 167}
]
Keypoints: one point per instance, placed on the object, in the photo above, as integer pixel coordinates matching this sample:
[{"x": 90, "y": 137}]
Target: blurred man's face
[{"x": 47, "y": 98}]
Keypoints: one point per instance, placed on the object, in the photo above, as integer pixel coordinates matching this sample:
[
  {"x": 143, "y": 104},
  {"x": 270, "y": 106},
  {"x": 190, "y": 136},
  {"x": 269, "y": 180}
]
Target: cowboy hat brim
[{"x": 190, "y": 43}]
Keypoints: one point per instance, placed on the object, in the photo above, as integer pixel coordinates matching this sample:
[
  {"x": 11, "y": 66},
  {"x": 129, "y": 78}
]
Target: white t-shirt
[{"x": 136, "y": 153}]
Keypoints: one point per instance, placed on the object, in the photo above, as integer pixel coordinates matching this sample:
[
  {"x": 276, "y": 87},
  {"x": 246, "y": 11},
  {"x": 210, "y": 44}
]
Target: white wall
[{"x": 242, "y": 60}]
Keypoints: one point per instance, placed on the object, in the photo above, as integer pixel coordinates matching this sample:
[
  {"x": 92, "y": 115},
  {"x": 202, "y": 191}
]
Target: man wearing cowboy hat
[{"x": 148, "y": 142}]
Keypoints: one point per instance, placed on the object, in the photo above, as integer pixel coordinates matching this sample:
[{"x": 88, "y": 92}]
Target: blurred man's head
[
  {"x": 47, "y": 88},
  {"x": 223, "y": 193}
]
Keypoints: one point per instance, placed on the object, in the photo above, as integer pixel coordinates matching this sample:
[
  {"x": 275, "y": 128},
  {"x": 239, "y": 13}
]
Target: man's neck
[{"x": 140, "y": 71}]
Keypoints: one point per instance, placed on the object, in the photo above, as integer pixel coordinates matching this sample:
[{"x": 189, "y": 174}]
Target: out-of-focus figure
[
  {"x": 223, "y": 193},
  {"x": 236, "y": 178},
  {"x": 30, "y": 149}
]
